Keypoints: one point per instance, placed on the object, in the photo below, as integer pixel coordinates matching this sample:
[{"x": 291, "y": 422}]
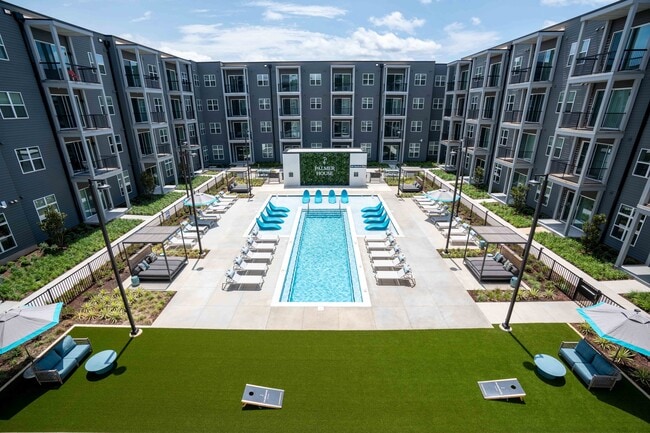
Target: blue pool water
[{"x": 322, "y": 266}]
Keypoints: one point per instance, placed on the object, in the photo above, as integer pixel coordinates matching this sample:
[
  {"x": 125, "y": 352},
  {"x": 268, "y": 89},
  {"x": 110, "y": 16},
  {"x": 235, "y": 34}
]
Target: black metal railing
[
  {"x": 152, "y": 82},
  {"x": 133, "y": 80},
  {"x": 505, "y": 152},
  {"x": 632, "y": 60},
  {"x": 146, "y": 149},
  {"x": 472, "y": 113},
  {"x": 288, "y": 87},
  {"x": 463, "y": 84},
  {"x": 533, "y": 116},
  {"x": 447, "y": 112},
  {"x": 177, "y": 114},
  {"x": 488, "y": 113},
  {"x": 173, "y": 85},
  {"x": 493, "y": 80},
  {"x": 76, "y": 73},
  {"x": 396, "y": 87},
  {"x": 525, "y": 154},
  {"x": 236, "y": 88},
  {"x": 163, "y": 149},
  {"x": 477, "y": 81},
  {"x": 571, "y": 172},
  {"x": 450, "y": 85},
  {"x": 542, "y": 73},
  {"x": 577, "y": 120},
  {"x": 140, "y": 116},
  {"x": 157, "y": 116},
  {"x": 66, "y": 121},
  {"x": 512, "y": 116},
  {"x": 394, "y": 111},
  {"x": 189, "y": 113},
  {"x": 290, "y": 134},
  {"x": 186, "y": 85},
  {"x": 519, "y": 75},
  {"x": 612, "y": 120},
  {"x": 95, "y": 121},
  {"x": 336, "y": 112},
  {"x": 342, "y": 88}
]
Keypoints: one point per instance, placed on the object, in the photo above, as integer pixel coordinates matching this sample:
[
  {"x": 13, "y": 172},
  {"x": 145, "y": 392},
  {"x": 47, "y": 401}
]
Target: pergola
[
  {"x": 151, "y": 235},
  {"x": 490, "y": 270},
  {"x": 406, "y": 171}
]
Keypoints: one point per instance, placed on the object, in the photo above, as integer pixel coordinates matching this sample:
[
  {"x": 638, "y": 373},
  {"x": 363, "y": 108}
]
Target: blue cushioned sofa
[
  {"x": 590, "y": 366},
  {"x": 58, "y": 362}
]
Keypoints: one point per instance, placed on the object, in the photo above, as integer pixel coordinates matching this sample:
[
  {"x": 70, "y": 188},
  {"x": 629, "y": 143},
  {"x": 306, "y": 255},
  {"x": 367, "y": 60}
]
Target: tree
[
  {"x": 479, "y": 172},
  {"x": 518, "y": 194},
  {"x": 592, "y": 231},
  {"x": 54, "y": 226},
  {"x": 148, "y": 183}
]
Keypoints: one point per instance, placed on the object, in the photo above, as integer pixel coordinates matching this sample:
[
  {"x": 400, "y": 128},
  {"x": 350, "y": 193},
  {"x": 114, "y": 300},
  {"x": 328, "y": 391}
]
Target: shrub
[
  {"x": 54, "y": 226},
  {"x": 640, "y": 299},
  {"x": 642, "y": 375},
  {"x": 518, "y": 194},
  {"x": 148, "y": 183},
  {"x": 592, "y": 231},
  {"x": 509, "y": 214}
]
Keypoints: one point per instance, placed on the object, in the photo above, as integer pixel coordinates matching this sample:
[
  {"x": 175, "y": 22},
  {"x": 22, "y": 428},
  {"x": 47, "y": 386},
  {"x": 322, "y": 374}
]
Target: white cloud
[
  {"x": 475, "y": 20},
  {"x": 561, "y": 3},
  {"x": 277, "y": 11},
  {"x": 397, "y": 21},
  {"x": 145, "y": 17},
  {"x": 200, "y": 11},
  {"x": 460, "y": 41},
  {"x": 425, "y": 2}
]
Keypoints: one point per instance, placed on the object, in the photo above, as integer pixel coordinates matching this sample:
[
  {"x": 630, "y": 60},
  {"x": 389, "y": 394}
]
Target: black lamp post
[
  {"x": 185, "y": 153},
  {"x": 453, "y": 198},
  {"x": 542, "y": 185},
  {"x": 248, "y": 163},
  {"x": 399, "y": 179},
  {"x": 109, "y": 249}
]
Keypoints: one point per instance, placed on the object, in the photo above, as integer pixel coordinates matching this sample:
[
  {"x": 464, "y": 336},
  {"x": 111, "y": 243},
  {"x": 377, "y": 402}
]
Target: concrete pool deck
[{"x": 439, "y": 300}]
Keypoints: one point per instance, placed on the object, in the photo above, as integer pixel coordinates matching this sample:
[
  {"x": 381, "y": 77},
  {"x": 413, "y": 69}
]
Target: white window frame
[
  {"x": 13, "y": 105},
  {"x": 469, "y": 130},
  {"x": 202, "y": 128},
  {"x": 212, "y": 104},
  {"x": 315, "y": 79},
  {"x": 510, "y": 102},
  {"x": 572, "y": 53},
  {"x": 416, "y": 126},
  {"x": 262, "y": 80},
  {"x": 9, "y": 235},
  {"x": 168, "y": 167},
  {"x": 316, "y": 103},
  {"x": 516, "y": 64},
  {"x": 127, "y": 182},
  {"x": 264, "y": 103},
  {"x": 41, "y": 204},
  {"x": 267, "y": 150},
  {"x": 367, "y": 102},
  {"x": 199, "y": 105},
  {"x": 153, "y": 71},
  {"x": 30, "y": 152},
  {"x": 366, "y": 126},
  {"x": 191, "y": 129},
  {"x": 209, "y": 80},
  {"x": 420, "y": 79},
  {"x": 440, "y": 81},
  {"x": 496, "y": 173},
  {"x": 368, "y": 79},
  {"x": 418, "y": 103},
  {"x": 414, "y": 150},
  {"x": 437, "y": 103},
  {"x": 434, "y": 148},
  {"x": 503, "y": 137},
  {"x": 118, "y": 143},
  {"x": 4, "y": 55},
  {"x": 316, "y": 125},
  {"x": 367, "y": 147},
  {"x": 436, "y": 125},
  {"x": 197, "y": 82},
  {"x": 557, "y": 148},
  {"x": 641, "y": 163},
  {"x": 316, "y": 145},
  {"x": 215, "y": 127},
  {"x": 547, "y": 194},
  {"x": 622, "y": 222},
  {"x": 163, "y": 134},
  {"x": 584, "y": 49},
  {"x": 266, "y": 126},
  {"x": 218, "y": 152}
]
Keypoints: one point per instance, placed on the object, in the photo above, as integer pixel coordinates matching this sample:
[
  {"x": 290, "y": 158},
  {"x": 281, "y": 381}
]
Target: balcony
[
  {"x": 447, "y": 112},
  {"x": 341, "y": 134},
  {"x": 237, "y": 135},
  {"x": 177, "y": 114},
  {"x": 342, "y": 87},
  {"x": 237, "y": 112},
  {"x": 173, "y": 85},
  {"x": 542, "y": 73},
  {"x": 587, "y": 120},
  {"x": 525, "y": 154},
  {"x": 189, "y": 113},
  {"x": 157, "y": 116},
  {"x": 186, "y": 86},
  {"x": 100, "y": 166},
  {"x": 604, "y": 62},
  {"x": 477, "y": 82},
  {"x": 462, "y": 85},
  {"x": 488, "y": 113},
  {"x": 147, "y": 149},
  {"x": 512, "y": 116},
  {"x": 472, "y": 113},
  {"x": 133, "y": 80},
  {"x": 450, "y": 85},
  {"x": 66, "y": 121},
  {"x": 396, "y": 87},
  {"x": 493, "y": 80},
  {"x": 290, "y": 135},
  {"x": 140, "y": 116},
  {"x": 505, "y": 152},
  {"x": 236, "y": 88},
  {"x": 518, "y": 76},
  {"x": 76, "y": 73},
  {"x": 288, "y": 87},
  {"x": 289, "y": 111},
  {"x": 394, "y": 110},
  {"x": 164, "y": 149},
  {"x": 533, "y": 116},
  {"x": 568, "y": 172},
  {"x": 342, "y": 111},
  {"x": 152, "y": 82}
]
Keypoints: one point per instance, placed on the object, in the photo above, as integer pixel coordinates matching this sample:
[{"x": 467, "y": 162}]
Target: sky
[{"x": 261, "y": 30}]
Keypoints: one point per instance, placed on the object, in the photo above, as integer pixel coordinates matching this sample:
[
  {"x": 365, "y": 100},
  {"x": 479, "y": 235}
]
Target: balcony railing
[
  {"x": 290, "y": 134},
  {"x": 519, "y": 75},
  {"x": 104, "y": 163},
  {"x": 447, "y": 112},
  {"x": 341, "y": 135},
  {"x": 394, "y": 111},
  {"x": 237, "y": 135},
  {"x": 512, "y": 116},
  {"x": 342, "y": 88},
  {"x": 241, "y": 112},
  {"x": 193, "y": 140},
  {"x": 95, "y": 121},
  {"x": 288, "y": 87},
  {"x": 157, "y": 116},
  {"x": 186, "y": 85},
  {"x": 542, "y": 73},
  {"x": 462, "y": 85},
  {"x": 177, "y": 114},
  {"x": 477, "y": 82},
  {"x": 472, "y": 113},
  {"x": 396, "y": 87},
  {"x": 66, "y": 121},
  {"x": 576, "y": 120},
  {"x": 140, "y": 116},
  {"x": 164, "y": 149},
  {"x": 604, "y": 62},
  {"x": 505, "y": 152},
  {"x": 525, "y": 154},
  {"x": 572, "y": 172},
  {"x": 533, "y": 116},
  {"x": 236, "y": 88},
  {"x": 189, "y": 113},
  {"x": 77, "y": 73},
  {"x": 392, "y": 135},
  {"x": 133, "y": 80},
  {"x": 173, "y": 85},
  {"x": 146, "y": 149},
  {"x": 488, "y": 113},
  {"x": 152, "y": 82},
  {"x": 342, "y": 112},
  {"x": 493, "y": 80},
  {"x": 450, "y": 85}
]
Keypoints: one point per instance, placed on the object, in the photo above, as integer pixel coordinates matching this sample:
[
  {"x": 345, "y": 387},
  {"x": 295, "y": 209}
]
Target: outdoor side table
[
  {"x": 102, "y": 362},
  {"x": 549, "y": 367}
]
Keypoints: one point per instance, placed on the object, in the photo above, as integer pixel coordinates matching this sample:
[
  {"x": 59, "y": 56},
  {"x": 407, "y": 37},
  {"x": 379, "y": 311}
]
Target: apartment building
[{"x": 569, "y": 101}]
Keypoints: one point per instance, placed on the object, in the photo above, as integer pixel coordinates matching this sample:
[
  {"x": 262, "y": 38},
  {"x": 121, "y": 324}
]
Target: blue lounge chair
[
  {"x": 331, "y": 196},
  {"x": 373, "y": 213},
  {"x": 379, "y": 226},
  {"x": 306, "y": 197},
  {"x": 378, "y": 219},
  {"x": 275, "y": 208},
  {"x": 264, "y": 226},
  {"x": 271, "y": 220},
  {"x": 373, "y": 208},
  {"x": 344, "y": 197},
  {"x": 318, "y": 198},
  {"x": 275, "y": 214}
]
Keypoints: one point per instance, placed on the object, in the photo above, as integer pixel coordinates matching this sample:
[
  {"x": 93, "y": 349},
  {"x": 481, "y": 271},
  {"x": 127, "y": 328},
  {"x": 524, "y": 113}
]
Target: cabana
[
  {"x": 487, "y": 269},
  {"x": 157, "y": 267},
  {"x": 404, "y": 173},
  {"x": 240, "y": 173}
]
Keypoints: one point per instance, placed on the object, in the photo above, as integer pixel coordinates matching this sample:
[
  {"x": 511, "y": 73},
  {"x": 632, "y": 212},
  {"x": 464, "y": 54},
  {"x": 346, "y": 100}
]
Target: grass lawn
[{"x": 339, "y": 381}]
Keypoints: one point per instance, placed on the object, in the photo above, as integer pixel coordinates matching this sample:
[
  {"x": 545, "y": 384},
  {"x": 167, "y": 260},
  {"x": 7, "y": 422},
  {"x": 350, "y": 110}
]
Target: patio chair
[
  {"x": 271, "y": 220},
  {"x": 306, "y": 197},
  {"x": 392, "y": 264},
  {"x": 318, "y": 198},
  {"x": 266, "y": 226},
  {"x": 345, "y": 199},
  {"x": 378, "y": 238},
  {"x": 260, "y": 237},
  {"x": 256, "y": 256},
  {"x": 331, "y": 197},
  {"x": 378, "y": 226},
  {"x": 375, "y": 220},
  {"x": 189, "y": 227},
  {"x": 385, "y": 245},
  {"x": 403, "y": 274},
  {"x": 373, "y": 213},
  {"x": 202, "y": 222},
  {"x": 249, "y": 267},
  {"x": 386, "y": 254},
  {"x": 255, "y": 246},
  {"x": 233, "y": 278},
  {"x": 207, "y": 215},
  {"x": 278, "y": 208},
  {"x": 177, "y": 241},
  {"x": 275, "y": 214},
  {"x": 378, "y": 206}
]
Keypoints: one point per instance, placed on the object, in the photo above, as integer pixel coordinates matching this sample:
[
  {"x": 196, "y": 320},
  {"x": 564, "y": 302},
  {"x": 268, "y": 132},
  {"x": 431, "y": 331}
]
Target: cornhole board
[
  {"x": 502, "y": 389},
  {"x": 262, "y": 396}
]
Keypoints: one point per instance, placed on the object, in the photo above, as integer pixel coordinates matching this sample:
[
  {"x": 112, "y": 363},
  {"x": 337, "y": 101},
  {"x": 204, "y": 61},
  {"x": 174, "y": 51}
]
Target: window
[
  {"x": 168, "y": 166},
  {"x": 315, "y": 103},
  {"x": 503, "y": 138},
  {"x": 44, "y": 203},
  {"x": 568, "y": 106},
  {"x": 316, "y": 145},
  {"x": 557, "y": 150},
  {"x": 213, "y": 104},
  {"x": 12, "y": 106},
  {"x": 316, "y": 126},
  {"x": 215, "y": 127},
  {"x": 367, "y": 79},
  {"x": 496, "y": 174},
  {"x": 436, "y": 125},
  {"x": 265, "y": 103},
  {"x": 191, "y": 129},
  {"x": 367, "y": 147},
  {"x": 111, "y": 144},
  {"x": 440, "y": 81},
  {"x": 510, "y": 102},
  {"x": 30, "y": 159},
  {"x": 118, "y": 142},
  {"x": 414, "y": 150},
  {"x": 469, "y": 130},
  {"x": 367, "y": 103},
  {"x": 560, "y": 99},
  {"x": 434, "y": 148},
  {"x": 516, "y": 64},
  {"x": 197, "y": 82},
  {"x": 623, "y": 222},
  {"x": 418, "y": 103},
  {"x": 7, "y": 240},
  {"x": 127, "y": 182},
  {"x": 416, "y": 126},
  {"x": 437, "y": 104},
  {"x": 420, "y": 79},
  {"x": 584, "y": 47},
  {"x": 642, "y": 167},
  {"x": 266, "y": 126},
  {"x": 109, "y": 105},
  {"x": 163, "y": 133},
  {"x": 210, "y": 80},
  {"x": 3, "y": 50},
  {"x": 478, "y": 73},
  {"x": 549, "y": 146},
  {"x": 100, "y": 63},
  {"x": 153, "y": 72},
  {"x": 267, "y": 150},
  {"x": 572, "y": 53},
  {"x": 202, "y": 128},
  {"x": 366, "y": 126},
  {"x": 199, "y": 105},
  {"x": 262, "y": 80},
  {"x": 315, "y": 79},
  {"x": 217, "y": 151},
  {"x": 547, "y": 194}
]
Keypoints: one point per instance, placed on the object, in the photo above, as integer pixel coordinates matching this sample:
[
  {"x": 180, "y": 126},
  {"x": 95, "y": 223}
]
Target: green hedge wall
[{"x": 324, "y": 168}]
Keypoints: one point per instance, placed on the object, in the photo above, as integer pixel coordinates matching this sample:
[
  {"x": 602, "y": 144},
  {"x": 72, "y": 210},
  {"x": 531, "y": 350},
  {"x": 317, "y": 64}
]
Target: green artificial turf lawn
[{"x": 338, "y": 381}]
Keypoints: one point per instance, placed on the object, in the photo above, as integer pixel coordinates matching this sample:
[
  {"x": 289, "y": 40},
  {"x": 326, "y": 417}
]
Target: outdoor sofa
[
  {"x": 238, "y": 188},
  {"x": 589, "y": 365},
  {"x": 58, "y": 362}
]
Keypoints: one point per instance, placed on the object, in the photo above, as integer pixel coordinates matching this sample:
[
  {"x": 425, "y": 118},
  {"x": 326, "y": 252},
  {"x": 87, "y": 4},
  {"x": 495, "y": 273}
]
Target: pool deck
[{"x": 439, "y": 300}]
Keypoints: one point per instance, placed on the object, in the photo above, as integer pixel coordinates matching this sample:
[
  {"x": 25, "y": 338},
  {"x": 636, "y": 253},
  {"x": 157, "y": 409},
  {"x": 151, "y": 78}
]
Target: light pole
[
  {"x": 399, "y": 179},
  {"x": 102, "y": 225},
  {"x": 505, "y": 326},
  {"x": 249, "y": 157},
  {"x": 453, "y": 198},
  {"x": 185, "y": 153}
]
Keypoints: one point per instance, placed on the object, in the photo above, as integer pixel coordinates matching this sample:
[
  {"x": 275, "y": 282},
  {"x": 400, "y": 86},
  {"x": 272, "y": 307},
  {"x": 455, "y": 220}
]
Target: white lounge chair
[
  {"x": 177, "y": 241},
  {"x": 255, "y": 256},
  {"x": 189, "y": 227},
  {"x": 258, "y": 246},
  {"x": 249, "y": 267},
  {"x": 260, "y": 237},
  {"x": 385, "y": 245},
  {"x": 235, "y": 279},
  {"x": 393, "y": 264},
  {"x": 216, "y": 209},
  {"x": 378, "y": 238},
  {"x": 386, "y": 254},
  {"x": 207, "y": 215},
  {"x": 398, "y": 276}
]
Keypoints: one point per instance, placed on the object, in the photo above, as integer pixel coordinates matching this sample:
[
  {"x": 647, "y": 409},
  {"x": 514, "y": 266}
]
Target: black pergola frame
[
  {"x": 156, "y": 235},
  {"x": 499, "y": 235}
]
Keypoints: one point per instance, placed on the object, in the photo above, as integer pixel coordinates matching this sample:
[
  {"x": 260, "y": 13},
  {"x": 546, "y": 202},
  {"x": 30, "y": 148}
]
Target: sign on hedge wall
[{"x": 324, "y": 168}]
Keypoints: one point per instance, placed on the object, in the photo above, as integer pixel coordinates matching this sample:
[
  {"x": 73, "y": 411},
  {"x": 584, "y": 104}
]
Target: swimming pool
[{"x": 324, "y": 264}]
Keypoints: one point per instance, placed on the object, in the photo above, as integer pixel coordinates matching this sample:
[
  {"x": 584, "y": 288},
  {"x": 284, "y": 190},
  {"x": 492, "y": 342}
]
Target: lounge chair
[
  {"x": 259, "y": 237},
  {"x": 275, "y": 214},
  {"x": 386, "y": 254},
  {"x": 258, "y": 246},
  {"x": 202, "y": 222},
  {"x": 223, "y": 195},
  {"x": 218, "y": 207},
  {"x": 207, "y": 215},
  {"x": 235, "y": 279},
  {"x": 378, "y": 238},
  {"x": 378, "y": 226},
  {"x": 256, "y": 256},
  {"x": 385, "y": 245},
  {"x": 249, "y": 267},
  {"x": 189, "y": 227},
  {"x": 399, "y": 275},
  {"x": 331, "y": 197},
  {"x": 377, "y": 219},
  {"x": 344, "y": 197},
  {"x": 318, "y": 198},
  {"x": 373, "y": 213},
  {"x": 177, "y": 241},
  {"x": 267, "y": 226},
  {"x": 278, "y": 208},
  {"x": 373, "y": 208},
  {"x": 306, "y": 198},
  {"x": 391, "y": 264},
  {"x": 271, "y": 220}
]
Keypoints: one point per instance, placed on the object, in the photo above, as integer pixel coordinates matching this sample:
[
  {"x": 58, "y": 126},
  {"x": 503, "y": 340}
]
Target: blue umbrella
[
  {"x": 19, "y": 325},
  {"x": 626, "y": 328}
]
